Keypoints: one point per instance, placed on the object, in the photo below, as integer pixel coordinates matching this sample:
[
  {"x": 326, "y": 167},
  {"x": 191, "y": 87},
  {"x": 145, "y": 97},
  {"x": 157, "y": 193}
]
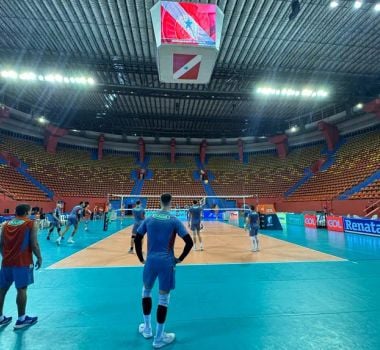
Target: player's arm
[
  {"x": 1, "y": 239},
  {"x": 35, "y": 246},
  {"x": 181, "y": 231},
  {"x": 141, "y": 231},
  {"x": 55, "y": 215}
]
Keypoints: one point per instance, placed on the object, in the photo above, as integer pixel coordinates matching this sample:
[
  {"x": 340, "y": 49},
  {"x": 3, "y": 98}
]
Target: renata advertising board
[
  {"x": 310, "y": 221},
  {"x": 334, "y": 223},
  {"x": 363, "y": 226}
]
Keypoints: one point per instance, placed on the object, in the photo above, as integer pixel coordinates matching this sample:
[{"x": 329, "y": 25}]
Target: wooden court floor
[{"x": 223, "y": 243}]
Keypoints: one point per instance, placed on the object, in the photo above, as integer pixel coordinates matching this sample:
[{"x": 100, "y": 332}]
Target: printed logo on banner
[
  {"x": 269, "y": 220},
  {"x": 188, "y": 23},
  {"x": 335, "y": 223},
  {"x": 310, "y": 221},
  {"x": 371, "y": 227},
  {"x": 186, "y": 67}
]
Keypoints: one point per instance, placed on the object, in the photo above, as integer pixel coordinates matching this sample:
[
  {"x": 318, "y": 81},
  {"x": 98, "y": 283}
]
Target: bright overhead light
[
  {"x": 358, "y": 4},
  {"x": 359, "y": 105},
  {"x": 294, "y": 128},
  {"x": 75, "y": 130},
  {"x": 377, "y": 7},
  {"x": 10, "y": 74},
  {"x": 334, "y": 4},
  {"x": 42, "y": 120},
  {"x": 291, "y": 92},
  {"x": 28, "y": 76}
]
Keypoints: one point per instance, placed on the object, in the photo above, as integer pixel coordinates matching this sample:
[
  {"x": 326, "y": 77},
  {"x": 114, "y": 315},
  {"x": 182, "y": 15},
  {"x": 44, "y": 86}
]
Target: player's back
[
  {"x": 196, "y": 212},
  {"x": 76, "y": 210},
  {"x": 161, "y": 229},
  {"x": 253, "y": 218},
  {"x": 138, "y": 214}
]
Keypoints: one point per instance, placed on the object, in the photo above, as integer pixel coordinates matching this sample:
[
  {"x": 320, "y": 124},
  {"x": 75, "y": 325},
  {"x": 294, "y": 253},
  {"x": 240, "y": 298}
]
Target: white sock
[
  {"x": 147, "y": 321},
  {"x": 254, "y": 247},
  {"x": 160, "y": 330},
  {"x": 22, "y": 318}
]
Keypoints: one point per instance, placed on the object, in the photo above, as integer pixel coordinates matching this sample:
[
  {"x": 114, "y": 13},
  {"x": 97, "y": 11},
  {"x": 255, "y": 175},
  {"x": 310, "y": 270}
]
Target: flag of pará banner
[
  {"x": 188, "y": 23},
  {"x": 186, "y": 66}
]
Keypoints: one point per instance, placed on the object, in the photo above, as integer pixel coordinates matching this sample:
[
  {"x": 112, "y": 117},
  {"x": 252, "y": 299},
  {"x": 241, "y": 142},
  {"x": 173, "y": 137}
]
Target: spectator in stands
[{"x": 17, "y": 262}]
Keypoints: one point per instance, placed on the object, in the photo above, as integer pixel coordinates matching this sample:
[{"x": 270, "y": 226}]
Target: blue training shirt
[
  {"x": 138, "y": 214},
  {"x": 253, "y": 218},
  {"x": 162, "y": 228},
  {"x": 196, "y": 214},
  {"x": 77, "y": 210},
  {"x": 58, "y": 213}
]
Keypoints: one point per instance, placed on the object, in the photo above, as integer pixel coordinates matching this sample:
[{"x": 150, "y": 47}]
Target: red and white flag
[{"x": 186, "y": 67}]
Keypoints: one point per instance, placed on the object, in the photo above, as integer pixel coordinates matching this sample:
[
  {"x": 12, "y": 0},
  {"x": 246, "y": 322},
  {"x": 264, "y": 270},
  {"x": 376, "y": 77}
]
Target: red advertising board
[
  {"x": 335, "y": 223},
  {"x": 310, "y": 221}
]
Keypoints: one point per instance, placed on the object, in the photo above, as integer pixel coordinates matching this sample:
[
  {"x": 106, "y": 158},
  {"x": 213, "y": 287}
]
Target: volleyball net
[{"x": 214, "y": 207}]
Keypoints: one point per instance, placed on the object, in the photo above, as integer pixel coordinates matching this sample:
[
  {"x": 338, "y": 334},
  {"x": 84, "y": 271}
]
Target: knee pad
[
  {"x": 164, "y": 299},
  {"x": 146, "y": 293}
]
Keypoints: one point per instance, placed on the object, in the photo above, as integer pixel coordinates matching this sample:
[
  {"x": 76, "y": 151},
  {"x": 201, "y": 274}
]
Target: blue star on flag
[{"x": 188, "y": 23}]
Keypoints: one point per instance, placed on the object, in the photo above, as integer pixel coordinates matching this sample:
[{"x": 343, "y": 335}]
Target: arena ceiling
[{"x": 113, "y": 41}]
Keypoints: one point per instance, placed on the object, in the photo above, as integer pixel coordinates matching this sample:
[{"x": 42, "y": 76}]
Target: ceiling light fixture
[
  {"x": 377, "y": 7},
  {"x": 358, "y": 4},
  {"x": 334, "y": 4}
]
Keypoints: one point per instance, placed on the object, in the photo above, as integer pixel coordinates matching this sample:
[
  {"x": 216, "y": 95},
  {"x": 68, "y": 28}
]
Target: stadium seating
[
  {"x": 71, "y": 172},
  {"x": 175, "y": 181},
  {"x": 17, "y": 187},
  {"x": 356, "y": 160},
  {"x": 372, "y": 191},
  {"x": 163, "y": 162},
  {"x": 265, "y": 175}
]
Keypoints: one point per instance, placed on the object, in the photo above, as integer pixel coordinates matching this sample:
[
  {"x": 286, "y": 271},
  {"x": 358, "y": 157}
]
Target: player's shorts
[
  {"x": 164, "y": 269},
  {"x": 72, "y": 220},
  {"x": 253, "y": 231},
  {"x": 21, "y": 276},
  {"x": 195, "y": 226},
  {"x": 135, "y": 228}
]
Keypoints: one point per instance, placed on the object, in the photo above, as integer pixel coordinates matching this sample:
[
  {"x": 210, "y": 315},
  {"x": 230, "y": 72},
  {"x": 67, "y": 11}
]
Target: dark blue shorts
[
  {"x": 21, "y": 276},
  {"x": 135, "y": 227},
  {"x": 164, "y": 270},
  {"x": 253, "y": 231},
  {"x": 72, "y": 221},
  {"x": 195, "y": 226}
]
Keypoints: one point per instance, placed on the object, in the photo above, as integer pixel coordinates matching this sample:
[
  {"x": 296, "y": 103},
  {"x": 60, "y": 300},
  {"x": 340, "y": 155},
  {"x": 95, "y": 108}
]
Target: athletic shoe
[
  {"x": 166, "y": 339},
  {"x": 130, "y": 251},
  {"x": 29, "y": 321},
  {"x": 201, "y": 247},
  {"x": 70, "y": 240},
  {"x": 58, "y": 241},
  {"x": 6, "y": 321},
  {"x": 146, "y": 333},
  {"x": 195, "y": 247}
]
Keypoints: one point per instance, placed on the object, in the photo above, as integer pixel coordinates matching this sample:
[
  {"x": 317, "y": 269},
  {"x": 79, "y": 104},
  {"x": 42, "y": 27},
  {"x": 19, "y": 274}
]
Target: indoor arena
[{"x": 190, "y": 175}]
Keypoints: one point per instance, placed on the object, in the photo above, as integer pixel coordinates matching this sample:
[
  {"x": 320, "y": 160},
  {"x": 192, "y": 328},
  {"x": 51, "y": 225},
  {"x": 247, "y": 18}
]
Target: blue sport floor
[{"x": 313, "y": 305}]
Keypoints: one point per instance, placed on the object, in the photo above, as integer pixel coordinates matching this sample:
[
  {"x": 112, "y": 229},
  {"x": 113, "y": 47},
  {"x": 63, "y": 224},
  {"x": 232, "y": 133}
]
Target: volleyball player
[
  {"x": 139, "y": 216},
  {"x": 252, "y": 224},
  {"x": 162, "y": 228},
  {"x": 86, "y": 214},
  {"x": 195, "y": 218},
  {"x": 18, "y": 243},
  {"x": 56, "y": 220},
  {"x": 72, "y": 220}
]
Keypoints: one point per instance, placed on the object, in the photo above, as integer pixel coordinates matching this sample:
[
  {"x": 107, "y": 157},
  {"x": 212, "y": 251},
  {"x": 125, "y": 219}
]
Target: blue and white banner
[{"x": 364, "y": 226}]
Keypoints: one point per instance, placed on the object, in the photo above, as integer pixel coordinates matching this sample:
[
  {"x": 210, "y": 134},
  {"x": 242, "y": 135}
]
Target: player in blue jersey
[
  {"x": 161, "y": 228},
  {"x": 55, "y": 220},
  {"x": 139, "y": 216},
  {"x": 72, "y": 220},
  {"x": 252, "y": 224},
  {"x": 195, "y": 218}
]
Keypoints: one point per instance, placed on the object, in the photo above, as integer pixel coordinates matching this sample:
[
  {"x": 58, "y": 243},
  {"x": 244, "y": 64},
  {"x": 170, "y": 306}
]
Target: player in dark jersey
[
  {"x": 72, "y": 220},
  {"x": 56, "y": 220},
  {"x": 195, "y": 218},
  {"x": 252, "y": 224},
  {"x": 161, "y": 228},
  {"x": 139, "y": 216},
  {"x": 18, "y": 243}
]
